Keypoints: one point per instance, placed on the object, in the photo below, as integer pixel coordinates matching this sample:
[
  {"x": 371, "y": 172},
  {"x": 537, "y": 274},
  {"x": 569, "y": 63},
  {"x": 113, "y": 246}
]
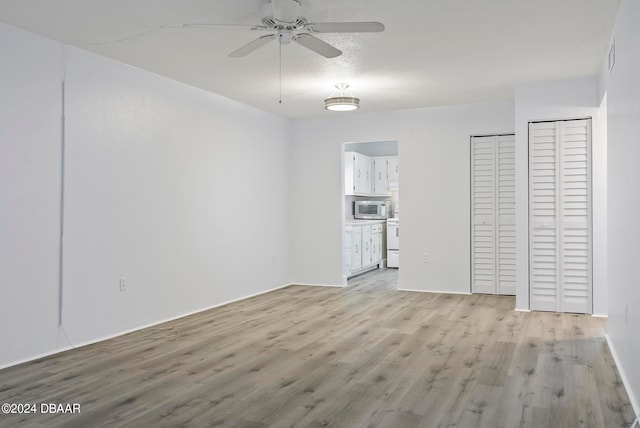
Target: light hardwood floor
[{"x": 362, "y": 356}]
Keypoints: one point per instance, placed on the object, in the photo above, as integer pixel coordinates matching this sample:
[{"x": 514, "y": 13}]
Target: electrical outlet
[
  {"x": 123, "y": 283},
  {"x": 426, "y": 258}
]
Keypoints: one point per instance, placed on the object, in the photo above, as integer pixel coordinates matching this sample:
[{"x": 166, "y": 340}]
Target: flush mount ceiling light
[{"x": 342, "y": 100}]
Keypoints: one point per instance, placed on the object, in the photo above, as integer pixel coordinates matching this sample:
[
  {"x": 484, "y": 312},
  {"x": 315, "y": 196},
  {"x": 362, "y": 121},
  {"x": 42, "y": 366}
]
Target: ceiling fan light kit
[{"x": 342, "y": 101}]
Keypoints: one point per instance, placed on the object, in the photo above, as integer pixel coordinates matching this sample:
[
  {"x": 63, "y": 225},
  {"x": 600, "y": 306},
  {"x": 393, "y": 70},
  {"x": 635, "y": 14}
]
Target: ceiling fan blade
[
  {"x": 318, "y": 46},
  {"x": 345, "y": 27},
  {"x": 252, "y": 46},
  {"x": 208, "y": 25},
  {"x": 285, "y": 10}
]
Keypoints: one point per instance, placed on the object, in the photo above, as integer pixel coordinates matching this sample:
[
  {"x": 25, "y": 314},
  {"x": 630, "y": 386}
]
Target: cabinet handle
[
  {"x": 396, "y": 169},
  {"x": 357, "y": 249},
  {"x": 358, "y": 173},
  {"x": 379, "y": 176}
]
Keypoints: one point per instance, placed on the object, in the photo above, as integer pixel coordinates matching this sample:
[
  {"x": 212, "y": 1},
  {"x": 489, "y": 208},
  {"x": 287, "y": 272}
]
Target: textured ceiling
[{"x": 433, "y": 52}]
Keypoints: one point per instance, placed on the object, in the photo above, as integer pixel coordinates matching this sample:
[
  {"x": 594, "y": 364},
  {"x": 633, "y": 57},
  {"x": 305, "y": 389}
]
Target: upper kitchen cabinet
[
  {"x": 393, "y": 172},
  {"x": 380, "y": 177},
  {"x": 357, "y": 174},
  {"x": 385, "y": 175}
]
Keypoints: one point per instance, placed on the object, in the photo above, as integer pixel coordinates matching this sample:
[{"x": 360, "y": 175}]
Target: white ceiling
[{"x": 433, "y": 52}]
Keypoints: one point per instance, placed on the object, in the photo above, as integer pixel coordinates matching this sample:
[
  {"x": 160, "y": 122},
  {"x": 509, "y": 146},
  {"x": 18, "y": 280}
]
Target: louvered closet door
[
  {"x": 543, "y": 202},
  {"x": 493, "y": 214},
  {"x": 506, "y": 210},
  {"x": 559, "y": 210},
  {"x": 575, "y": 219},
  {"x": 483, "y": 204}
]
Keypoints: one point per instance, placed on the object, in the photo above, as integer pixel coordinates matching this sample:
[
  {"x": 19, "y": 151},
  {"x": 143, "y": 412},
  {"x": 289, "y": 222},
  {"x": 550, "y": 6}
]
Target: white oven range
[{"x": 393, "y": 243}]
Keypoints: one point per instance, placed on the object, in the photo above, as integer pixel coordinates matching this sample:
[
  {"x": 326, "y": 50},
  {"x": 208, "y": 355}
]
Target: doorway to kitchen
[{"x": 370, "y": 216}]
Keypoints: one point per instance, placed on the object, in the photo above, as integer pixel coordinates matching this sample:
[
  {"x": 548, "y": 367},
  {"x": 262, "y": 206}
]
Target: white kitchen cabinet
[
  {"x": 357, "y": 174},
  {"x": 356, "y": 249},
  {"x": 393, "y": 171},
  {"x": 380, "y": 177},
  {"x": 364, "y": 245},
  {"x": 385, "y": 175},
  {"x": 366, "y": 186},
  {"x": 348, "y": 249},
  {"x": 376, "y": 244}
]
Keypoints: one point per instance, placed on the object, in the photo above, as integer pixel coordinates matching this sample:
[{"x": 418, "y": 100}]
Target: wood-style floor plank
[{"x": 363, "y": 356}]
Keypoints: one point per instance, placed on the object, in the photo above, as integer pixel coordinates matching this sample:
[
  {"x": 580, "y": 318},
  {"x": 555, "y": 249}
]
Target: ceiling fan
[{"x": 282, "y": 20}]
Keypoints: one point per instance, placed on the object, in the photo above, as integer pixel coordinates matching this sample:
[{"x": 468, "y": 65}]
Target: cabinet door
[
  {"x": 366, "y": 246},
  {"x": 356, "y": 248},
  {"x": 359, "y": 179},
  {"x": 349, "y": 173},
  {"x": 380, "y": 181},
  {"x": 357, "y": 174},
  {"x": 347, "y": 250},
  {"x": 376, "y": 248},
  {"x": 393, "y": 171},
  {"x": 367, "y": 183}
]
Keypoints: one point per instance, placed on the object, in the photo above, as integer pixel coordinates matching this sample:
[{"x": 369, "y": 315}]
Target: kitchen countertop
[{"x": 363, "y": 222}]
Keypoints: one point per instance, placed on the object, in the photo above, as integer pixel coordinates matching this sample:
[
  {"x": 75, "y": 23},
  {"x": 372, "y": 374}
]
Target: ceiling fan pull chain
[{"x": 280, "y": 60}]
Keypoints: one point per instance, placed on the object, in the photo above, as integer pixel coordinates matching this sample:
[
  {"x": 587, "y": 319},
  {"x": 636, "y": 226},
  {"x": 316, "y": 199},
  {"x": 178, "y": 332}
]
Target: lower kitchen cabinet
[
  {"x": 376, "y": 244},
  {"x": 356, "y": 249},
  {"x": 366, "y": 246},
  {"x": 363, "y": 248}
]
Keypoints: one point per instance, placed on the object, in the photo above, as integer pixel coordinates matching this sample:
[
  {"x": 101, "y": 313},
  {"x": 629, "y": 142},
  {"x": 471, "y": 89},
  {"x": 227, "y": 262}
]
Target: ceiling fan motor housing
[
  {"x": 282, "y": 12},
  {"x": 271, "y": 22}
]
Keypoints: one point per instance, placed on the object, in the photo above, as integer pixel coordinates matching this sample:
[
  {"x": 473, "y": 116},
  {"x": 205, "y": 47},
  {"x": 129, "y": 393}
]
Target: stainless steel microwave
[{"x": 371, "y": 210}]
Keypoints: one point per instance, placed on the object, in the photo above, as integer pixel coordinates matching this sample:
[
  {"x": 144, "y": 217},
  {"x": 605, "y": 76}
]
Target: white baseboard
[
  {"x": 35, "y": 357},
  {"x": 600, "y": 316},
  {"x": 435, "y": 291},
  {"x": 623, "y": 376},
  {"x": 122, "y": 333},
  {"x": 522, "y": 310},
  {"x": 314, "y": 285}
]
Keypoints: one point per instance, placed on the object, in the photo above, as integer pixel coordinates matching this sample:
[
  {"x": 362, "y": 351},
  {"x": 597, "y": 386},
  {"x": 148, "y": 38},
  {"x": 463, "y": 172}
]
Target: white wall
[
  {"x": 434, "y": 151},
  {"x": 177, "y": 189},
  {"x": 181, "y": 191},
  {"x": 623, "y": 94},
  {"x": 561, "y": 99},
  {"x": 30, "y": 154}
]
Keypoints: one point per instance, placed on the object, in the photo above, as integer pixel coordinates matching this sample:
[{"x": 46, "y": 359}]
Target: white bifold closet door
[
  {"x": 493, "y": 257},
  {"x": 560, "y": 216}
]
